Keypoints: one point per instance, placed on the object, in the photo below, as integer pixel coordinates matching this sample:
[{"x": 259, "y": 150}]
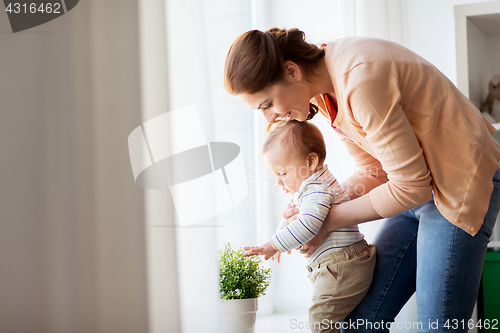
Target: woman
[{"x": 425, "y": 161}]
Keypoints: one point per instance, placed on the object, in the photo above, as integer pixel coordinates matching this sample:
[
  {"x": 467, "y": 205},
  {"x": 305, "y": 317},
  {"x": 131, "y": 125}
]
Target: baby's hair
[{"x": 303, "y": 137}]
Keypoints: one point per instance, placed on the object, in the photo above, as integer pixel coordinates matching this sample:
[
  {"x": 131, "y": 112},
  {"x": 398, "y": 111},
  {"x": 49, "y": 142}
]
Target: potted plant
[{"x": 242, "y": 281}]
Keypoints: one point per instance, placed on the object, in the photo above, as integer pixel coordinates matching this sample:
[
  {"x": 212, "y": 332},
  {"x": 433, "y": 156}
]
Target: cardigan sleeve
[
  {"x": 374, "y": 100},
  {"x": 369, "y": 173}
]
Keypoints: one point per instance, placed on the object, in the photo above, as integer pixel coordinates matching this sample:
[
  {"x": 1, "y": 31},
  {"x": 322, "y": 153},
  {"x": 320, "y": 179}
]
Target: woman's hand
[
  {"x": 308, "y": 248},
  {"x": 344, "y": 215}
]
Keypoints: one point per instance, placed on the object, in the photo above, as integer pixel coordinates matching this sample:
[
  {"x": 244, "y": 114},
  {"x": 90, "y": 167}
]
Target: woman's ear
[
  {"x": 292, "y": 71},
  {"x": 312, "y": 161}
]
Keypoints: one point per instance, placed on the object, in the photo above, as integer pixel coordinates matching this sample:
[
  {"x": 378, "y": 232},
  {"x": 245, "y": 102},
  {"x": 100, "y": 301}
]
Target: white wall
[
  {"x": 477, "y": 40},
  {"x": 432, "y": 32}
]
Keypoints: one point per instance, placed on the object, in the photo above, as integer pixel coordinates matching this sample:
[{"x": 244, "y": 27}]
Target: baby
[{"x": 341, "y": 268}]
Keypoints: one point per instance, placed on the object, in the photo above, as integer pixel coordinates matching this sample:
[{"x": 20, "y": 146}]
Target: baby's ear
[{"x": 312, "y": 160}]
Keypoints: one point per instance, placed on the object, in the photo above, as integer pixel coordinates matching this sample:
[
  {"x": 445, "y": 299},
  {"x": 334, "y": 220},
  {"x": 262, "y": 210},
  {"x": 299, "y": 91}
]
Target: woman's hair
[
  {"x": 257, "y": 59},
  {"x": 303, "y": 137}
]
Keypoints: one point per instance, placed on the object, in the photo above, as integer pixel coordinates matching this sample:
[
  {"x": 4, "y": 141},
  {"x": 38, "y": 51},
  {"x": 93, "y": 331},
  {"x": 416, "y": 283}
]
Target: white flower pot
[{"x": 238, "y": 315}]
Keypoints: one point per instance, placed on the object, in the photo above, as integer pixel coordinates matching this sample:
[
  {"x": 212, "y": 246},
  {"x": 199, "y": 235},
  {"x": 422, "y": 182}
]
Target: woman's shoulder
[
  {"x": 347, "y": 52},
  {"x": 349, "y": 58},
  {"x": 362, "y": 46},
  {"x": 344, "y": 54}
]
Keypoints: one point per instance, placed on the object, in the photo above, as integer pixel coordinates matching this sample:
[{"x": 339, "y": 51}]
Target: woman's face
[{"x": 287, "y": 99}]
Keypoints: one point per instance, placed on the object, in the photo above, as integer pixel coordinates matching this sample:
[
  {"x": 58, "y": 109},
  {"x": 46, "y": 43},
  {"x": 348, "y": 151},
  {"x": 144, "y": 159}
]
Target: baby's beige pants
[{"x": 340, "y": 281}]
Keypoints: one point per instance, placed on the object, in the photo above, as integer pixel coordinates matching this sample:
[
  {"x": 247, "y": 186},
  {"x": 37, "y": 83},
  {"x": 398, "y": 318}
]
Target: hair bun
[{"x": 256, "y": 59}]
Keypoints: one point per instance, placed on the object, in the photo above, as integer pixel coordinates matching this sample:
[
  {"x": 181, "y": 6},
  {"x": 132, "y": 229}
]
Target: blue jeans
[{"x": 419, "y": 250}]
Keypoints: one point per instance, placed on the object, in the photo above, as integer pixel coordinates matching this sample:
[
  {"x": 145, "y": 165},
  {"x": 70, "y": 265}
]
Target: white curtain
[
  {"x": 199, "y": 34},
  {"x": 196, "y": 244},
  {"x": 162, "y": 266}
]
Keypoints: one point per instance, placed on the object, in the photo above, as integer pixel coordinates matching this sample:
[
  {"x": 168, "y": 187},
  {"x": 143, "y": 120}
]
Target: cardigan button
[
  {"x": 436, "y": 202},
  {"x": 457, "y": 220},
  {"x": 473, "y": 229}
]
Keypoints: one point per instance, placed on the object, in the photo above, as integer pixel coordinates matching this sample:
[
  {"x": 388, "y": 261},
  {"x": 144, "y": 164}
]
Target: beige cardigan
[{"x": 411, "y": 132}]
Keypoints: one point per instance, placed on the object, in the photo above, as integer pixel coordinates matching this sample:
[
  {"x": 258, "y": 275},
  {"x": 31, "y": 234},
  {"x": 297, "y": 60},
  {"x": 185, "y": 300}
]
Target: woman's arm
[
  {"x": 350, "y": 190},
  {"x": 350, "y": 213}
]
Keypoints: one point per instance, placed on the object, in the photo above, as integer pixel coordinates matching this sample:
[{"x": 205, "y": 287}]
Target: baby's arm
[
  {"x": 314, "y": 206},
  {"x": 264, "y": 249},
  {"x": 340, "y": 197},
  {"x": 277, "y": 255}
]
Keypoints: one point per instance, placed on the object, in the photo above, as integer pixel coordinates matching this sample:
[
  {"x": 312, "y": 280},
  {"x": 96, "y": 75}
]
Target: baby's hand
[
  {"x": 276, "y": 257},
  {"x": 267, "y": 250},
  {"x": 291, "y": 213},
  {"x": 252, "y": 251}
]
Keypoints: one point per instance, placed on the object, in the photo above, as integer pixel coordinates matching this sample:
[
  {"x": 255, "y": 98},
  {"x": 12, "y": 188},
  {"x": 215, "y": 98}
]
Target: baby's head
[{"x": 293, "y": 151}]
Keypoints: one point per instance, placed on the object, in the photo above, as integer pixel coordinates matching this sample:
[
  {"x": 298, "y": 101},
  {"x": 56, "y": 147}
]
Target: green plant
[{"x": 241, "y": 277}]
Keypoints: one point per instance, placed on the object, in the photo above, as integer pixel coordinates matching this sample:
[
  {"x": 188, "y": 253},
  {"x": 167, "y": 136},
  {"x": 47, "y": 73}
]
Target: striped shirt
[{"x": 313, "y": 199}]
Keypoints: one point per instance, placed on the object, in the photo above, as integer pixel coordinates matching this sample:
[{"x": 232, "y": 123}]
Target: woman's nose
[{"x": 270, "y": 116}]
